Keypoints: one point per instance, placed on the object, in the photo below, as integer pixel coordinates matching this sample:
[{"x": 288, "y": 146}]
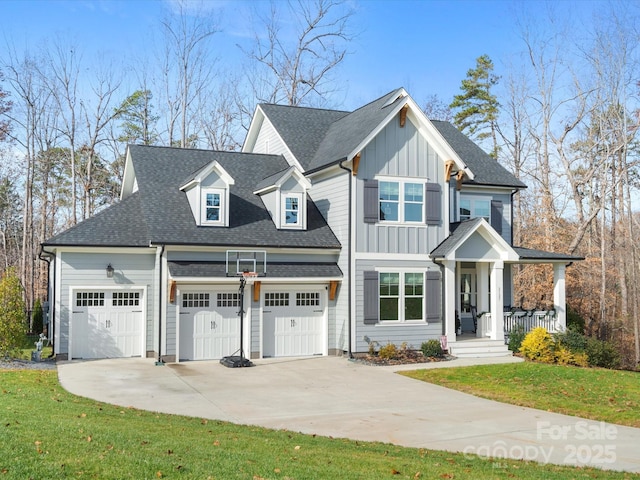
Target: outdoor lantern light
[{"x": 109, "y": 271}]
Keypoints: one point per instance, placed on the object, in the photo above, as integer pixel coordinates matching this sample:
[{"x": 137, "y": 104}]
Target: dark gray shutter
[
  {"x": 496, "y": 215},
  {"x": 433, "y": 296},
  {"x": 371, "y": 297},
  {"x": 371, "y": 201},
  {"x": 433, "y": 204}
]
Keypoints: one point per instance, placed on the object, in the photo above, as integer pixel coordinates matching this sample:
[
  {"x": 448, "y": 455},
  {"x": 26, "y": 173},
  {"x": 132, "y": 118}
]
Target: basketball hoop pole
[
  {"x": 240, "y": 361},
  {"x": 243, "y": 282}
]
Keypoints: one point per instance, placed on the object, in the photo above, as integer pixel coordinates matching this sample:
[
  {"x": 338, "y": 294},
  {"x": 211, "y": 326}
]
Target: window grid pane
[
  {"x": 305, "y": 299},
  {"x": 389, "y": 201},
  {"x": 126, "y": 299},
  {"x": 276, "y": 299},
  {"x": 413, "y": 291},
  {"x": 90, "y": 299},
  {"x": 228, "y": 300},
  {"x": 389, "y": 296},
  {"x": 291, "y": 210},
  {"x": 197, "y": 300},
  {"x": 213, "y": 207}
]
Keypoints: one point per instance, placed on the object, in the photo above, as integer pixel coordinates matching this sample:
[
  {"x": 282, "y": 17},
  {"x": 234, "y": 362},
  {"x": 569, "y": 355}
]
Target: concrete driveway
[{"x": 335, "y": 397}]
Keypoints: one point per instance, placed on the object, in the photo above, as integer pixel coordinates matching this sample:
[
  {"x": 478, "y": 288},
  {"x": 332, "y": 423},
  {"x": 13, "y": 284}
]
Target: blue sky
[{"x": 425, "y": 46}]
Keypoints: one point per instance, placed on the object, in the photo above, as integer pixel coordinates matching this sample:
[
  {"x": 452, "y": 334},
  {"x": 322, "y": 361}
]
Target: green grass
[
  {"x": 594, "y": 393},
  {"x": 28, "y": 346},
  {"x": 47, "y": 433}
]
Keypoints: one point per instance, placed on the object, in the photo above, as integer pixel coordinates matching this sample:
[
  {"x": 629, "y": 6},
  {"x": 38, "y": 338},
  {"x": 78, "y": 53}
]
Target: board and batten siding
[
  {"x": 404, "y": 153},
  {"x": 268, "y": 141},
  {"x": 331, "y": 196},
  {"x": 391, "y": 332},
  {"x": 88, "y": 270}
]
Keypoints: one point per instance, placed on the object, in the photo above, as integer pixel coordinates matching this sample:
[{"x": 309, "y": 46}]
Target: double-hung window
[
  {"x": 401, "y": 296},
  {"x": 401, "y": 201},
  {"x": 213, "y": 207}
]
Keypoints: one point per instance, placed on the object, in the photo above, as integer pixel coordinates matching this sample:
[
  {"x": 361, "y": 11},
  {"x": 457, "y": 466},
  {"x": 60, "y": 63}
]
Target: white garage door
[
  {"x": 107, "y": 324},
  {"x": 209, "y": 325},
  {"x": 293, "y": 323}
]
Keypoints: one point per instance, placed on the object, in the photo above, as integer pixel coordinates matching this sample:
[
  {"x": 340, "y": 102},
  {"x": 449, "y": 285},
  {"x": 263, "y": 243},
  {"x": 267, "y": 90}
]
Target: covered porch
[{"x": 478, "y": 289}]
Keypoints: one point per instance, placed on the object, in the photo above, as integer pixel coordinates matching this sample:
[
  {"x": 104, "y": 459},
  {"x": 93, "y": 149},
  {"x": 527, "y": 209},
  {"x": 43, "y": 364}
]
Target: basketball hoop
[{"x": 249, "y": 277}]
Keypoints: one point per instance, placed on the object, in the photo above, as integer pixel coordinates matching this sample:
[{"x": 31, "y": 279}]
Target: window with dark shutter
[
  {"x": 371, "y": 300},
  {"x": 371, "y": 201},
  {"x": 496, "y": 215},
  {"x": 433, "y": 204},
  {"x": 434, "y": 297}
]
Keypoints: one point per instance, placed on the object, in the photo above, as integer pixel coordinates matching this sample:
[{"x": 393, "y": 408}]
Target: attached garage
[
  {"x": 209, "y": 324},
  {"x": 294, "y": 321},
  {"x": 107, "y": 323}
]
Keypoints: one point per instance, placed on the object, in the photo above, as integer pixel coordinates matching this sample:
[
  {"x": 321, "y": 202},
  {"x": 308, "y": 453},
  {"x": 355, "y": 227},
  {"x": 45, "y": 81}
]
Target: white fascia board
[
  {"x": 265, "y": 280},
  {"x": 434, "y": 137},
  {"x": 489, "y": 234},
  {"x": 218, "y": 249},
  {"x": 129, "y": 184},
  {"x": 401, "y": 92},
  {"x": 204, "y": 173},
  {"x": 292, "y": 171},
  {"x": 254, "y": 129},
  {"x": 113, "y": 250}
]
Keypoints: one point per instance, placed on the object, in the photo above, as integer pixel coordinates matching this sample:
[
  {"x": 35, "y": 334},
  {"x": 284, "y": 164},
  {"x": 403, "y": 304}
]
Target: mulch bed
[{"x": 403, "y": 358}]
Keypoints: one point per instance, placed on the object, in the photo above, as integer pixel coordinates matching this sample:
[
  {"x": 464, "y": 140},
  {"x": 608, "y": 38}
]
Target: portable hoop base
[{"x": 239, "y": 361}]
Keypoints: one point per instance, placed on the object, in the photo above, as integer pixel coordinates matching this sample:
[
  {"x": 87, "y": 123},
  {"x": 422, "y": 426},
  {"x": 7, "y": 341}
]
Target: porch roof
[
  {"x": 535, "y": 256},
  {"x": 203, "y": 269}
]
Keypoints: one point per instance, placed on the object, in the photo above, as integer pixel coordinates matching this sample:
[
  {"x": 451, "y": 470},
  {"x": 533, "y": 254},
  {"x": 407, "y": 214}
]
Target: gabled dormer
[
  {"x": 208, "y": 194},
  {"x": 284, "y": 194}
]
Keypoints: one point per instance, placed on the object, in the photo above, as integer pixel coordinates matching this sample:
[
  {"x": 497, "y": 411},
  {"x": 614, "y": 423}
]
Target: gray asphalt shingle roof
[
  {"x": 274, "y": 269},
  {"x": 460, "y": 230},
  {"x": 117, "y": 226},
  {"x": 162, "y": 214},
  {"x": 487, "y": 170}
]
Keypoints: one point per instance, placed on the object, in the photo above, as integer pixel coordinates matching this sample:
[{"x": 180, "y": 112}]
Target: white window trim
[
  {"x": 473, "y": 199},
  {"x": 401, "y": 297},
  {"x": 302, "y": 211},
  {"x": 224, "y": 210},
  {"x": 401, "y": 181}
]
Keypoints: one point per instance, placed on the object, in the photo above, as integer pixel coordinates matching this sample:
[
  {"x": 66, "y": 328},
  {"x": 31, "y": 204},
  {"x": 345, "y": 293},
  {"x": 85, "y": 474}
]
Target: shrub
[
  {"x": 431, "y": 348},
  {"x": 12, "y": 317},
  {"x": 516, "y": 337},
  {"x": 572, "y": 339},
  {"x": 538, "y": 345},
  {"x": 389, "y": 351},
  {"x": 564, "y": 356},
  {"x": 602, "y": 354},
  {"x": 37, "y": 318}
]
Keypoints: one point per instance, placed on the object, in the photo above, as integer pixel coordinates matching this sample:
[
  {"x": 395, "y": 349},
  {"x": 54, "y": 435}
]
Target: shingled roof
[
  {"x": 159, "y": 213},
  {"x": 319, "y": 137}
]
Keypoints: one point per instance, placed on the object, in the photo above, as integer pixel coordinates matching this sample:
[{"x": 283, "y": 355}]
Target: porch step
[{"x": 479, "y": 348}]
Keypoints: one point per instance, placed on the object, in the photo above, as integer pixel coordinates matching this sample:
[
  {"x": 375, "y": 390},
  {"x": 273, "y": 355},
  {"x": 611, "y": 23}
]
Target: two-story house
[{"x": 375, "y": 225}]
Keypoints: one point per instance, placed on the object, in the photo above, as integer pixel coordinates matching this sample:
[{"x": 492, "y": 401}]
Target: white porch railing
[
  {"x": 484, "y": 324},
  {"x": 530, "y": 320}
]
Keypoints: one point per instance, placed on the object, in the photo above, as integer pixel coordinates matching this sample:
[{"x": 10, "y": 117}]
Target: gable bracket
[
  {"x": 356, "y": 164},
  {"x": 403, "y": 115}
]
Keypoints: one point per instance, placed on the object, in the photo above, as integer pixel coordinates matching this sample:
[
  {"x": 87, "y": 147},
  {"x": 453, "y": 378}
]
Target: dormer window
[
  {"x": 208, "y": 194},
  {"x": 284, "y": 194}
]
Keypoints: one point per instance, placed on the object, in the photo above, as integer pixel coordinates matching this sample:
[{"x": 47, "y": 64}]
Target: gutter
[
  {"x": 350, "y": 268},
  {"x": 51, "y": 312},
  {"x": 159, "y": 254}
]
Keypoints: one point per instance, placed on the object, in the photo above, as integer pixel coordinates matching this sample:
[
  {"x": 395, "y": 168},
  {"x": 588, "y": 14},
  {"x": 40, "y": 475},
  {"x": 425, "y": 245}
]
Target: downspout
[
  {"x": 350, "y": 269},
  {"x": 51, "y": 302},
  {"x": 159, "y": 254}
]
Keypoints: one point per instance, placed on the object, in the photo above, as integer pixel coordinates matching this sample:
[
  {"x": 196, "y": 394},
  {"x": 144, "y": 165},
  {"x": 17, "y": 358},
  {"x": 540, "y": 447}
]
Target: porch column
[
  {"x": 497, "y": 320},
  {"x": 482, "y": 302},
  {"x": 559, "y": 296},
  {"x": 449, "y": 307}
]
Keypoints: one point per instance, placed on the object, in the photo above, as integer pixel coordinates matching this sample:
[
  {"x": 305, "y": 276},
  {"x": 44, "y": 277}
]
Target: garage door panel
[
  {"x": 102, "y": 330},
  {"x": 292, "y": 323},
  {"x": 209, "y": 325}
]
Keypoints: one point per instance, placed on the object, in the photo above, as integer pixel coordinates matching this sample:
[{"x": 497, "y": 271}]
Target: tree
[
  {"x": 300, "y": 72},
  {"x": 477, "y": 107},
  {"x": 5, "y": 107},
  {"x": 13, "y": 320},
  {"x": 436, "y": 109},
  {"x": 138, "y": 120}
]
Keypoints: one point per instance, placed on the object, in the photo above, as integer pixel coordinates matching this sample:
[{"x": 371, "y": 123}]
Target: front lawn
[
  {"x": 47, "y": 433},
  {"x": 594, "y": 393}
]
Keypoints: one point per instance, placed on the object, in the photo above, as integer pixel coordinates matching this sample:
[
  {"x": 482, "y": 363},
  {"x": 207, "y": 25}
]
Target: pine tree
[{"x": 476, "y": 108}]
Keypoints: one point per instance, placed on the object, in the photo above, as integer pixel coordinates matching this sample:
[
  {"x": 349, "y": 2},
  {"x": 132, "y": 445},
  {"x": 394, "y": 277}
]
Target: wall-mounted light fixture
[{"x": 109, "y": 271}]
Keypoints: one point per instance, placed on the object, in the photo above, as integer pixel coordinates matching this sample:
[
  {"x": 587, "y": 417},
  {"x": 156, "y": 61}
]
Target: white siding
[
  {"x": 268, "y": 141},
  {"x": 331, "y": 196},
  {"x": 412, "y": 334},
  {"x": 89, "y": 270},
  {"x": 399, "y": 152}
]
